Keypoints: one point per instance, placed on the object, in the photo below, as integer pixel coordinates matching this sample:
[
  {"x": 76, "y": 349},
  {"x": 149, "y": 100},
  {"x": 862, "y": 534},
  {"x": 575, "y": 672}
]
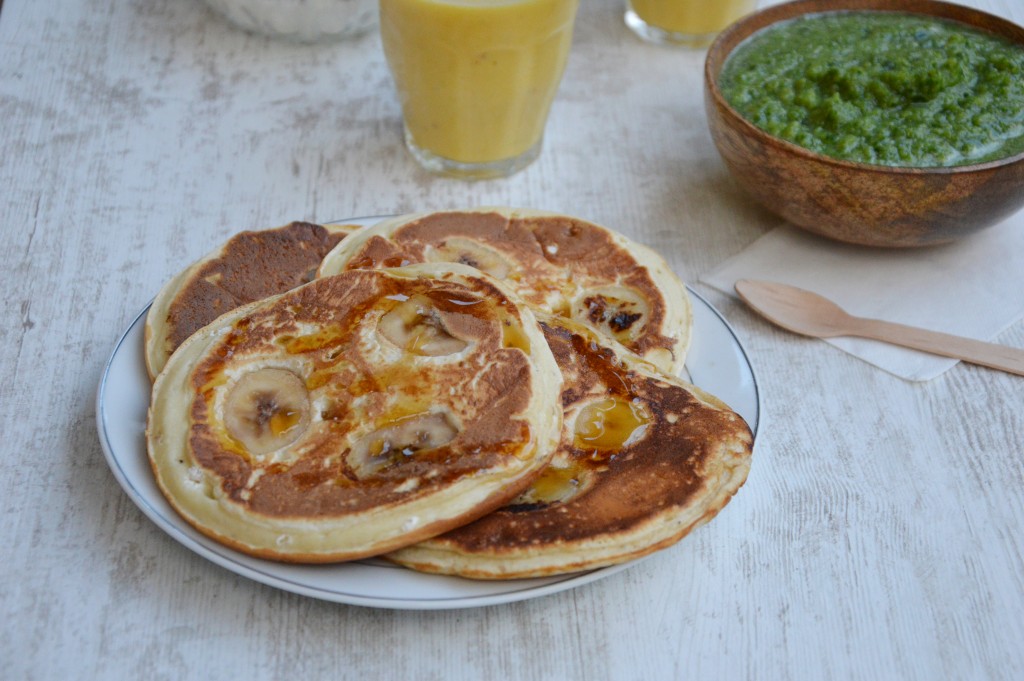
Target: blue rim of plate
[{"x": 280, "y": 575}]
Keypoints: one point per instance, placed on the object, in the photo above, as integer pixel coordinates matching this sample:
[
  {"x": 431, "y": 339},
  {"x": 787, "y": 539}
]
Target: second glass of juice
[
  {"x": 476, "y": 78},
  {"x": 688, "y": 23}
]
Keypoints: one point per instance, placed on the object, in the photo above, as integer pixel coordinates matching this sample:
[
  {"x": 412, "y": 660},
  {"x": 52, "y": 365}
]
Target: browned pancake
[
  {"x": 248, "y": 267},
  {"x": 644, "y": 458},
  {"x": 561, "y": 264},
  {"x": 355, "y": 414}
]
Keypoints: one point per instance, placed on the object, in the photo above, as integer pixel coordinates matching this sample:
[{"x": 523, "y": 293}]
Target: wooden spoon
[{"x": 811, "y": 315}]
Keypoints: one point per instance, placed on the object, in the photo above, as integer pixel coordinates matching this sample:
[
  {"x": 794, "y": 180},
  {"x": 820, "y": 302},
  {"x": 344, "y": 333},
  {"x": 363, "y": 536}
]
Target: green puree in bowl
[{"x": 882, "y": 87}]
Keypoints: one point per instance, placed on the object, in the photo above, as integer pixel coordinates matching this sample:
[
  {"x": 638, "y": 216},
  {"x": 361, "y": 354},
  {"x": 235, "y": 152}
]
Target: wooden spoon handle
[{"x": 969, "y": 350}]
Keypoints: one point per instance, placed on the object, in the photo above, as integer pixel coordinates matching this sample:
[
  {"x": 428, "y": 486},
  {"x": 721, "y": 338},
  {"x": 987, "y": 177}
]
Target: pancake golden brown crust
[
  {"x": 643, "y": 459},
  {"x": 248, "y": 267},
  {"x": 560, "y": 264},
  {"x": 355, "y": 414}
]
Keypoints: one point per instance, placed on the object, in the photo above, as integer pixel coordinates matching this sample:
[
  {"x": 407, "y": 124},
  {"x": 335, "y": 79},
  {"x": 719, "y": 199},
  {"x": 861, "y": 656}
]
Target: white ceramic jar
[{"x": 305, "y": 21}]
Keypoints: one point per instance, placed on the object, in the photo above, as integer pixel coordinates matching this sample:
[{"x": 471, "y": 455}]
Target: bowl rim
[{"x": 743, "y": 29}]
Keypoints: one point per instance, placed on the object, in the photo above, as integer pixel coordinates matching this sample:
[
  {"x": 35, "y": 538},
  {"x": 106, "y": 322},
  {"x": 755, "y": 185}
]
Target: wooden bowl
[{"x": 857, "y": 202}]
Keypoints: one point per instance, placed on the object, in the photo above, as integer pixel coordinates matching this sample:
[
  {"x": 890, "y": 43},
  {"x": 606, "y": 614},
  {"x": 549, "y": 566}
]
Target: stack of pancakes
[{"x": 490, "y": 393}]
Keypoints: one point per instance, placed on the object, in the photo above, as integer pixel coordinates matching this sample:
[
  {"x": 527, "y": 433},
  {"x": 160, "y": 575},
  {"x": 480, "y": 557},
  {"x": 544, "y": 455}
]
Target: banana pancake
[
  {"x": 250, "y": 266},
  {"x": 560, "y": 264},
  {"x": 644, "y": 458},
  {"x": 355, "y": 414}
]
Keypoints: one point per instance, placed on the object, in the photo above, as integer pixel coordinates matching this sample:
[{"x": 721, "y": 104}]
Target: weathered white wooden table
[{"x": 879, "y": 534}]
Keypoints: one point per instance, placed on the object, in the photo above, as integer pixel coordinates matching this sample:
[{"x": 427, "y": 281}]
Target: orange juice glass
[
  {"x": 476, "y": 78},
  {"x": 689, "y": 23}
]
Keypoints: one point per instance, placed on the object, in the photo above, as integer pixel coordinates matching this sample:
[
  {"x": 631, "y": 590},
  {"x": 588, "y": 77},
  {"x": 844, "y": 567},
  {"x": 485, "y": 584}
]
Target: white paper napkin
[{"x": 973, "y": 287}]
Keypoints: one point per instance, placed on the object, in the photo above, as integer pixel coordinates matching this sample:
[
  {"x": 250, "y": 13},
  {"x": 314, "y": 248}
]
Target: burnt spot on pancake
[
  {"x": 623, "y": 321},
  {"x": 618, "y": 311},
  {"x": 601, "y": 311}
]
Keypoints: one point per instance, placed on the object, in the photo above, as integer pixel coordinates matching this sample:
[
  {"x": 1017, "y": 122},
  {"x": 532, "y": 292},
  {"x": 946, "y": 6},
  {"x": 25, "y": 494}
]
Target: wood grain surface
[{"x": 879, "y": 534}]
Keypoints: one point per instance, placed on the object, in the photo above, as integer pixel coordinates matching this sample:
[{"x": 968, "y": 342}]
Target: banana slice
[
  {"x": 472, "y": 253},
  {"x": 602, "y": 428},
  {"x": 618, "y": 311},
  {"x": 418, "y": 327},
  {"x": 610, "y": 424},
  {"x": 561, "y": 481},
  {"x": 399, "y": 442},
  {"x": 266, "y": 410}
]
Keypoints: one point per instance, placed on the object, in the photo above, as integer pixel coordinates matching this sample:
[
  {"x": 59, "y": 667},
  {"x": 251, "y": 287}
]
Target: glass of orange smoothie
[
  {"x": 476, "y": 78},
  {"x": 689, "y": 23}
]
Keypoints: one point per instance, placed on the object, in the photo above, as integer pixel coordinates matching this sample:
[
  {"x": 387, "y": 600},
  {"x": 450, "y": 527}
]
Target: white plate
[{"x": 716, "y": 362}]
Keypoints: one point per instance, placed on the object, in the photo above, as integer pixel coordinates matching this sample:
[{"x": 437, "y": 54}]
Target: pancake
[
  {"x": 644, "y": 458},
  {"x": 560, "y": 264},
  {"x": 355, "y": 414},
  {"x": 248, "y": 267}
]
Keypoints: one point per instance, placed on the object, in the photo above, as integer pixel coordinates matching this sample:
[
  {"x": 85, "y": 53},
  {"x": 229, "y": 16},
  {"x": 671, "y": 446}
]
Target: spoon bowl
[{"x": 804, "y": 312}]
